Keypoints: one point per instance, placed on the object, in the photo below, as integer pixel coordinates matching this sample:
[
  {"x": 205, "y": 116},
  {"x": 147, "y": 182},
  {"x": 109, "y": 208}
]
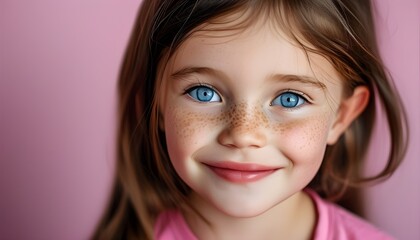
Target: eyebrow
[
  {"x": 300, "y": 79},
  {"x": 187, "y": 71}
]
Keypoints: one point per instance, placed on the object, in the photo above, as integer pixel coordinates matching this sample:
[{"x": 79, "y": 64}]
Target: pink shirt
[{"x": 334, "y": 223}]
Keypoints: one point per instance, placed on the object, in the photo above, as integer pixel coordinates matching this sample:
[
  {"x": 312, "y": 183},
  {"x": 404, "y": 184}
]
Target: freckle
[{"x": 282, "y": 127}]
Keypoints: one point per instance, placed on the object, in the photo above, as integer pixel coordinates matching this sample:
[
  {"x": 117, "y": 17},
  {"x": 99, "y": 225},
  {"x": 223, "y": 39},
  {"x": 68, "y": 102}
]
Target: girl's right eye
[{"x": 203, "y": 94}]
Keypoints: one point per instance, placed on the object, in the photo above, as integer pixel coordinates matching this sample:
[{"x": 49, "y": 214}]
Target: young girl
[{"x": 236, "y": 116}]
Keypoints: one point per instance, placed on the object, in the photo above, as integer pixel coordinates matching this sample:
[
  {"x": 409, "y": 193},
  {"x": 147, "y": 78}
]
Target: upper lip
[{"x": 245, "y": 167}]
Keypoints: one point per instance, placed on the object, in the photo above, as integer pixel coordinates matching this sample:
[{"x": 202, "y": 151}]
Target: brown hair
[{"x": 340, "y": 30}]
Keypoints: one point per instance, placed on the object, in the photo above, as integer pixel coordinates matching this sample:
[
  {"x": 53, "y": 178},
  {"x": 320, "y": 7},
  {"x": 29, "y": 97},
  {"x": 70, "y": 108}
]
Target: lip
[{"x": 241, "y": 172}]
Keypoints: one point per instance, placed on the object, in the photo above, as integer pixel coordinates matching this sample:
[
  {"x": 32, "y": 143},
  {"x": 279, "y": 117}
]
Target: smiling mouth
[{"x": 239, "y": 172}]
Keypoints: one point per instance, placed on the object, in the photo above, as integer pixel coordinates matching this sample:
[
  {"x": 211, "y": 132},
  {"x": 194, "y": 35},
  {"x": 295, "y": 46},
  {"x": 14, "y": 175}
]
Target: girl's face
[{"x": 247, "y": 117}]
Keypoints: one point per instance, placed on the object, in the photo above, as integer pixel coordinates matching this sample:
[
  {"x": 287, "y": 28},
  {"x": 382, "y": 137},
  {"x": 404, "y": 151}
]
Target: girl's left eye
[
  {"x": 289, "y": 100},
  {"x": 203, "y": 94}
]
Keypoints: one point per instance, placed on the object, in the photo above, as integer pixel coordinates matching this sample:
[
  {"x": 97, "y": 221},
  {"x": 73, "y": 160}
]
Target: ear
[{"x": 348, "y": 111}]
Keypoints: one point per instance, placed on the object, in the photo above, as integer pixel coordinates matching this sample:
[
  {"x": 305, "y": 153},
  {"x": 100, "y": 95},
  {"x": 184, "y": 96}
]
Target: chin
[{"x": 243, "y": 210}]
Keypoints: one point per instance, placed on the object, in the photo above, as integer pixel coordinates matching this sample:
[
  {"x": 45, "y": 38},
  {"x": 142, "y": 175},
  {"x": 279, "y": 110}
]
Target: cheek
[
  {"x": 186, "y": 131},
  {"x": 179, "y": 132},
  {"x": 304, "y": 140},
  {"x": 180, "y": 126},
  {"x": 187, "y": 127}
]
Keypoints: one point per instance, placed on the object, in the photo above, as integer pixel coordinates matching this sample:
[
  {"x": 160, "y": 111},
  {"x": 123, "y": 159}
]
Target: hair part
[{"x": 340, "y": 30}]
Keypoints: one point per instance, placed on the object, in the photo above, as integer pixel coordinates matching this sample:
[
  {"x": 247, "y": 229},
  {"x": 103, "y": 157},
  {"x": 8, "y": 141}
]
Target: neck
[{"x": 293, "y": 218}]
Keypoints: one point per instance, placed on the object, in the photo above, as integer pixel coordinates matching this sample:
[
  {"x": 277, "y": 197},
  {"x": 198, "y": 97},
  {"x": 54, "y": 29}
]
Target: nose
[{"x": 245, "y": 128}]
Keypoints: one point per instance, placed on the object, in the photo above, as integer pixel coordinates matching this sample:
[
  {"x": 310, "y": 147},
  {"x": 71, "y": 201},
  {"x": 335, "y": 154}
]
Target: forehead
[{"x": 255, "y": 49}]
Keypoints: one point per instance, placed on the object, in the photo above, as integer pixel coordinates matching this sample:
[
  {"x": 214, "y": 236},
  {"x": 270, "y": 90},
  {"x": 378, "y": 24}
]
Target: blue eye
[
  {"x": 204, "y": 94},
  {"x": 289, "y": 100}
]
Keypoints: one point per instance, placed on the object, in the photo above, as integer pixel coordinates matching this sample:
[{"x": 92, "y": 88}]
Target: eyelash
[
  {"x": 190, "y": 89},
  {"x": 305, "y": 98}
]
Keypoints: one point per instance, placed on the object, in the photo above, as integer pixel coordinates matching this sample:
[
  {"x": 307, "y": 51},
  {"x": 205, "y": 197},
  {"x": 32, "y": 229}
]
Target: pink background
[{"x": 58, "y": 66}]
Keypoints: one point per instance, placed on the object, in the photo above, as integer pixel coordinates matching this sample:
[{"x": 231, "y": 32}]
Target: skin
[{"x": 248, "y": 70}]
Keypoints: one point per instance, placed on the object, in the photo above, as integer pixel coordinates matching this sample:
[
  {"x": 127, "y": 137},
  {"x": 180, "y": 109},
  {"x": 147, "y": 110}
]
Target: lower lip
[{"x": 238, "y": 176}]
